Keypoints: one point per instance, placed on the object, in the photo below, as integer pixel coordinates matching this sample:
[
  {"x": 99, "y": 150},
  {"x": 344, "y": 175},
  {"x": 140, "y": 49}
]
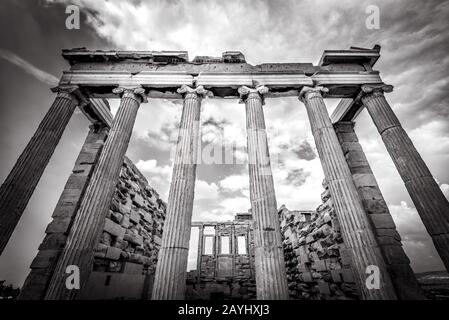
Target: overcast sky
[{"x": 414, "y": 40}]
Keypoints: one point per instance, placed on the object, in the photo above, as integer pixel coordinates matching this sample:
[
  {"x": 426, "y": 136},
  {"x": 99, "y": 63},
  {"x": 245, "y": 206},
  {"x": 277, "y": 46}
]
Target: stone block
[
  {"x": 113, "y": 228},
  {"x": 35, "y": 285},
  {"x": 113, "y": 253},
  {"x": 125, "y": 221},
  {"x": 302, "y": 267},
  {"x": 347, "y": 137},
  {"x": 309, "y": 239},
  {"x": 134, "y": 216},
  {"x": 375, "y": 206},
  {"x": 388, "y": 233},
  {"x": 304, "y": 258},
  {"x": 288, "y": 233},
  {"x": 394, "y": 254},
  {"x": 327, "y": 217},
  {"x": 116, "y": 216},
  {"x": 76, "y": 182},
  {"x": 87, "y": 157},
  {"x": 133, "y": 238},
  {"x": 348, "y": 276},
  {"x": 146, "y": 216},
  {"x": 314, "y": 256},
  {"x": 44, "y": 259},
  {"x": 283, "y": 224},
  {"x": 70, "y": 196},
  {"x": 58, "y": 225},
  {"x": 64, "y": 210},
  {"x": 323, "y": 287},
  {"x": 132, "y": 268},
  {"x": 370, "y": 193},
  {"x": 357, "y": 160},
  {"x": 349, "y": 146},
  {"x": 101, "y": 247},
  {"x": 157, "y": 240},
  {"x": 337, "y": 276},
  {"x": 55, "y": 241},
  {"x": 344, "y": 127},
  {"x": 319, "y": 265},
  {"x": 364, "y": 180},
  {"x": 82, "y": 169},
  {"x": 382, "y": 221},
  {"x": 332, "y": 264},
  {"x": 306, "y": 277},
  {"x": 125, "y": 208},
  {"x": 138, "y": 200},
  {"x": 345, "y": 256}
]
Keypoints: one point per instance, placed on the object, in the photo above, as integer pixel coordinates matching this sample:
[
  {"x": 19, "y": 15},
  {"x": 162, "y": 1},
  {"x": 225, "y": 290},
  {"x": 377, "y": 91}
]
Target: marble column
[
  {"x": 171, "y": 270},
  {"x": 355, "y": 227},
  {"x": 86, "y": 229},
  {"x": 19, "y": 186},
  {"x": 429, "y": 200},
  {"x": 200, "y": 252},
  {"x": 271, "y": 280}
]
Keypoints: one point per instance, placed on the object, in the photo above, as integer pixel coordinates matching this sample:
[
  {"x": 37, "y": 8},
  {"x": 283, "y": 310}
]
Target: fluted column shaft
[
  {"x": 171, "y": 270},
  {"x": 355, "y": 228},
  {"x": 86, "y": 229},
  {"x": 271, "y": 280},
  {"x": 19, "y": 186},
  {"x": 429, "y": 200}
]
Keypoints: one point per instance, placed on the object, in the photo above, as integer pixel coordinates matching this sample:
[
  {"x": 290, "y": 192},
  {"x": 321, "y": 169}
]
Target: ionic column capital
[
  {"x": 374, "y": 90},
  {"x": 311, "y": 92},
  {"x": 245, "y": 92},
  {"x": 136, "y": 93},
  {"x": 70, "y": 92},
  {"x": 198, "y": 91}
]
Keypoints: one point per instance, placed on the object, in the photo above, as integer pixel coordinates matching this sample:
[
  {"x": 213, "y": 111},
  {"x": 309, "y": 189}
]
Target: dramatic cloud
[{"x": 304, "y": 151}]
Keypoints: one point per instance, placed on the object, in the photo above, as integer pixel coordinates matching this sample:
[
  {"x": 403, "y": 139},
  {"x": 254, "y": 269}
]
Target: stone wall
[
  {"x": 318, "y": 267},
  {"x": 126, "y": 256}
]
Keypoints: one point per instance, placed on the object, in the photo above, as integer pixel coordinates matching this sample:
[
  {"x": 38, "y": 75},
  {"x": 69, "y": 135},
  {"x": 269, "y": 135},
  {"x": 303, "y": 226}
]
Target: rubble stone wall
[
  {"x": 126, "y": 256},
  {"x": 318, "y": 266}
]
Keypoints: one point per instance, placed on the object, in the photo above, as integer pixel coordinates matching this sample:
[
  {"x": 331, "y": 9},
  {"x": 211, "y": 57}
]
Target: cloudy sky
[{"x": 414, "y": 39}]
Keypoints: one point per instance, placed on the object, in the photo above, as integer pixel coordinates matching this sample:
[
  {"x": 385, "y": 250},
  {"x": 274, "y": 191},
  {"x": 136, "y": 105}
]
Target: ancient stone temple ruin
[
  {"x": 225, "y": 261},
  {"x": 112, "y": 226}
]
